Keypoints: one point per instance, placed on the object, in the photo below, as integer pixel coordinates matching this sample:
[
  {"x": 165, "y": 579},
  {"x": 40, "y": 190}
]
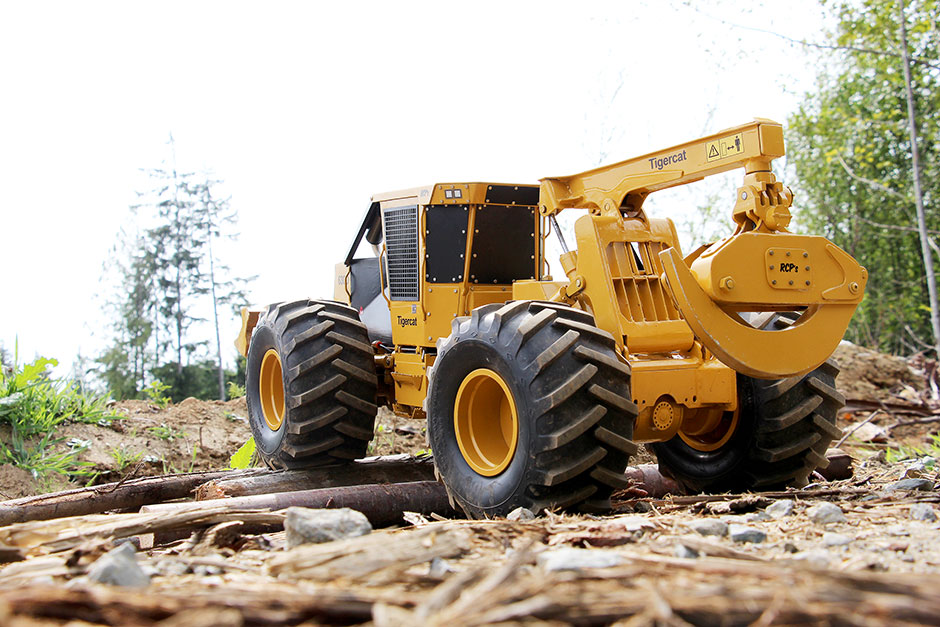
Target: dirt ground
[{"x": 721, "y": 559}]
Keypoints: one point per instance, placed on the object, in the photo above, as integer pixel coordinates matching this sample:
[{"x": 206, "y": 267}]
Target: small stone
[
  {"x": 835, "y": 539},
  {"x": 172, "y": 568},
  {"x": 817, "y": 558},
  {"x": 439, "y": 568},
  {"x": 923, "y": 511},
  {"x": 313, "y": 526},
  {"x": 578, "y": 559},
  {"x": 520, "y": 513},
  {"x": 642, "y": 507},
  {"x": 119, "y": 567},
  {"x": 780, "y": 509},
  {"x": 910, "y": 484},
  {"x": 825, "y": 513},
  {"x": 709, "y": 527},
  {"x": 789, "y": 547},
  {"x": 742, "y": 533},
  {"x": 685, "y": 552}
]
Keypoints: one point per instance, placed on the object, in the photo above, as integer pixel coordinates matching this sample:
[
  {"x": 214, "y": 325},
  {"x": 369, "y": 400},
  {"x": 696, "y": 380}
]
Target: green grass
[
  {"x": 904, "y": 453},
  {"x": 34, "y": 404},
  {"x": 165, "y": 432}
]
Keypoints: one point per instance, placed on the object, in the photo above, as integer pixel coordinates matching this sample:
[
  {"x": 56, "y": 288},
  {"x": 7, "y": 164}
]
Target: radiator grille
[{"x": 401, "y": 241}]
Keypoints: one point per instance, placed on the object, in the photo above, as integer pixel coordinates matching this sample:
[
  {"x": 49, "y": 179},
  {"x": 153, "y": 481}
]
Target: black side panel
[
  {"x": 504, "y": 247},
  {"x": 512, "y": 195},
  {"x": 364, "y": 282},
  {"x": 445, "y": 243}
]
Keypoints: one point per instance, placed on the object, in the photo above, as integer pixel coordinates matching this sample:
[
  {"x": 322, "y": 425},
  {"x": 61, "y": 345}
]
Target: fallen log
[
  {"x": 382, "y": 504},
  {"x": 373, "y": 470},
  {"x": 129, "y": 494}
]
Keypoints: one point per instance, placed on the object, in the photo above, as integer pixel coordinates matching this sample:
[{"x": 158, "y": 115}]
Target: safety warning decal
[{"x": 724, "y": 147}]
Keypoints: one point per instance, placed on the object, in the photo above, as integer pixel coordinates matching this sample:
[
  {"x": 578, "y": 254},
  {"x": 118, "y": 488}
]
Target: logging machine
[{"x": 536, "y": 389}]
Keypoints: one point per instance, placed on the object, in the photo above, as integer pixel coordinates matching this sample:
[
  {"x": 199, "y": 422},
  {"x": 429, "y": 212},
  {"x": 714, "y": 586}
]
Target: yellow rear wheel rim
[
  {"x": 271, "y": 390},
  {"x": 486, "y": 422},
  {"x": 717, "y": 437}
]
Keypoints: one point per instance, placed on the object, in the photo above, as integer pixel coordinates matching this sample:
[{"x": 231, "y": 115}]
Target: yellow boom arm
[{"x": 761, "y": 267}]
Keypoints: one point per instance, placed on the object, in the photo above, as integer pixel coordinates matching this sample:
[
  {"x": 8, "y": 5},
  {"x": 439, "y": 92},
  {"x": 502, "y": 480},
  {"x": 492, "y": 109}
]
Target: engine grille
[{"x": 401, "y": 241}]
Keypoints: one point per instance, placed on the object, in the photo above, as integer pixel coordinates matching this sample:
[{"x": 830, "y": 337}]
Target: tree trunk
[
  {"x": 215, "y": 300},
  {"x": 918, "y": 192}
]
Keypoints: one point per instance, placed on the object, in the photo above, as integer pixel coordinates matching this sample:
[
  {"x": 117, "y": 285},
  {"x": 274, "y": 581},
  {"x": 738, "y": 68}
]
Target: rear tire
[
  {"x": 310, "y": 385},
  {"x": 558, "y": 375},
  {"x": 781, "y": 434}
]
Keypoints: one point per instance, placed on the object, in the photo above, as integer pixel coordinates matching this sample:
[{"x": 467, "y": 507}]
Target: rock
[
  {"x": 789, "y": 547},
  {"x": 520, "y": 513},
  {"x": 119, "y": 567},
  {"x": 825, "y": 513},
  {"x": 780, "y": 509},
  {"x": 438, "y": 568},
  {"x": 578, "y": 559},
  {"x": 817, "y": 558},
  {"x": 709, "y": 527},
  {"x": 313, "y": 526},
  {"x": 743, "y": 533},
  {"x": 685, "y": 552},
  {"x": 910, "y": 484},
  {"x": 840, "y": 465},
  {"x": 642, "y": 507},
  {"x": 835, "y": 539},
  {"x": 171, "y": 567},
  {"x": 923, "y": 511}
]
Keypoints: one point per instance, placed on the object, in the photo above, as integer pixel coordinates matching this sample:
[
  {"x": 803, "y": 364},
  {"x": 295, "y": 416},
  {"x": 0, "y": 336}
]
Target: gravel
[
  {"x": 825, "y": 513},
  {"x": 709, "y": 527},
  {"x": 743, "y": 533},
  {"x": 119, "y": 567},
  {"x": 780, "y": 509}
]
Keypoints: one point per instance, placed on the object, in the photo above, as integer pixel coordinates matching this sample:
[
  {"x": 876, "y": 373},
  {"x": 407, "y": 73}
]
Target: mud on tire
[
  {"x": 572, "y": 396},
  {"x": 328, "y": 384}
]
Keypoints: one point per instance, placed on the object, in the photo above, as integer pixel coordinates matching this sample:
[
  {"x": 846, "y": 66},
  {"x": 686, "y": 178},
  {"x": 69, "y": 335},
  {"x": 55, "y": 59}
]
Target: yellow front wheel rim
[
  {"x": 717, "y": 437},
  {"x": 271, "y": 390},
  {"x": 486, "y": 422}
]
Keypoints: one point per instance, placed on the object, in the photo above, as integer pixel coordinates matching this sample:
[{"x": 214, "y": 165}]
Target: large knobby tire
[
  {"x": 310, "y": 384},
  {"x": 555, "y": 381},
  {"x": 777, "y": 438}
]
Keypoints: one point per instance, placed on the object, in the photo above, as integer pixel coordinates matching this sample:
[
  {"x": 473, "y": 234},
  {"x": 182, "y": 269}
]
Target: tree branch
[{"x": 812, "y": 44}]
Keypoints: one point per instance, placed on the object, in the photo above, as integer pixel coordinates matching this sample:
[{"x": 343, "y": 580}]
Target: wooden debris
[
  {"x": 130, "y": 494},
  {"x": 382, "y": 504},
  {"x": 392, "y": 552},
  {"x": 373, "y": 470},
  {"x": 46, "y": 536}
]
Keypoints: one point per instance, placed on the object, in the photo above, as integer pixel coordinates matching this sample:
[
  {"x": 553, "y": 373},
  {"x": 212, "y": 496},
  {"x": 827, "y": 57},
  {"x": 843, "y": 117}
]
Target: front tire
[
  {"x": 529, "y": 406},
  {"x": 310, "y": 385}
]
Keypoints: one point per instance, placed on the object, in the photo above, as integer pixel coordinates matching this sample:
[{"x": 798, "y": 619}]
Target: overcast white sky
[{"x": 305, "y": 109}]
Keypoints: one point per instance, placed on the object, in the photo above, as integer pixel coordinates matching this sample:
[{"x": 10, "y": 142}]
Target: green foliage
[
  {"x": 165, "y": 272},
  {"x": 33, "y": 405},
  {"x": 235, "y": 390},
  {"x": 850, "y": 147},
  {"x": 165, "y": 432},
  {"x": 155, "y": 393},
  {"x": 124, "y": 457},
  {"x": 244, "y": 457},
  {"x": 904, "y": 453}
]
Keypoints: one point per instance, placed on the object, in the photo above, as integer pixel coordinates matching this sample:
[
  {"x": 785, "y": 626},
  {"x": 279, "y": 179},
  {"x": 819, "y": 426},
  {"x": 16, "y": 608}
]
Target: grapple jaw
[{"x": 766, "y": 272}]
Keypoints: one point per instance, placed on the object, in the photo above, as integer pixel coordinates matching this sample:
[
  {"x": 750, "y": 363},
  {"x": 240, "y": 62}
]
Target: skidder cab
[{"x": 536, "y": 390}]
